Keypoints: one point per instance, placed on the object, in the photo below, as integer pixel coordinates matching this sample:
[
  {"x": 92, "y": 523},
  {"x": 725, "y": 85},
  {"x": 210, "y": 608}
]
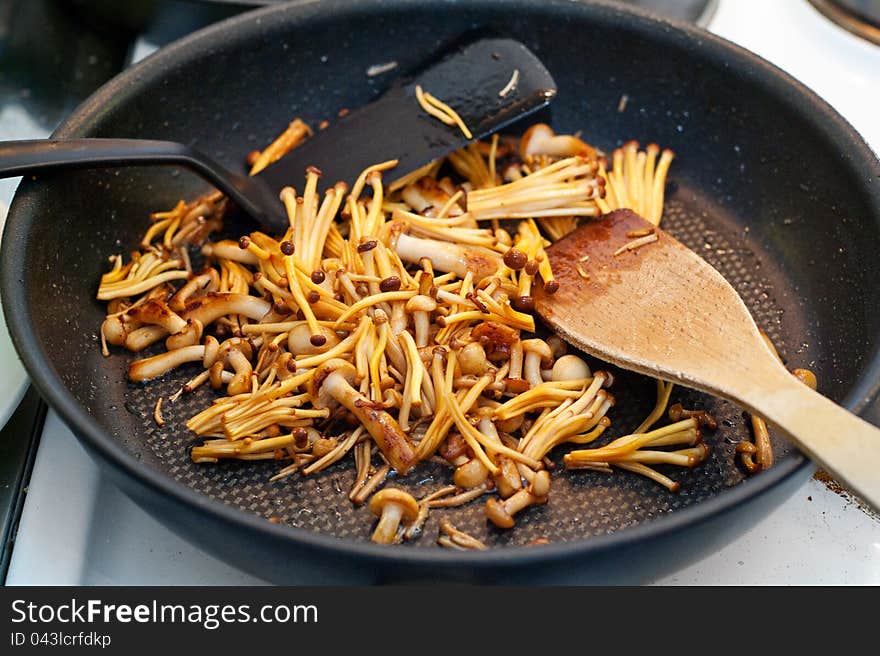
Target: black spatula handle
[{"x": 24, "y": 157}]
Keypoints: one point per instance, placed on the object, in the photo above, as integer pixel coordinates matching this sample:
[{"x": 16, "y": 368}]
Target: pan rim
[{"x": 246, "y": 26}]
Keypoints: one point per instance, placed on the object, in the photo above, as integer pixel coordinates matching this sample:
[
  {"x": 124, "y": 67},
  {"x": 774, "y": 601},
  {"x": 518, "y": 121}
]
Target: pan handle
[{"x": 251, "y": 195}]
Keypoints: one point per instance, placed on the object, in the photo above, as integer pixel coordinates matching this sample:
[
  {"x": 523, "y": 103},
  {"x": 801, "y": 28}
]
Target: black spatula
[{"x": 490, "y": 83}]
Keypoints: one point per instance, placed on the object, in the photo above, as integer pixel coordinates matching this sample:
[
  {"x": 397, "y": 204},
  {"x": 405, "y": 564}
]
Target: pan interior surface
[{"x": 758, "y": 187}]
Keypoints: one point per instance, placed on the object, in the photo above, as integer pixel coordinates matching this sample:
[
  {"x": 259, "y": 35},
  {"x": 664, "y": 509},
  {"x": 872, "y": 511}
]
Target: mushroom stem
[
  {"x": 501, "y": 514},
  {"x": 446, "y": 256},
  {"x": 386, "y": 528},
  {"x": 214, "y": 305},
  {"x": 154, "y": 366},
  {"x": 382, "y": 427}
]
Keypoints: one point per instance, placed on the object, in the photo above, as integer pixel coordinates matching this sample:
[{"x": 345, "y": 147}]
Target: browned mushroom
[
  {"x": 446, "y": 256},
  {"x": 332, "y": 384},
  {"x": 392, "y": 506},
  {"x": 501, "y": 513},
  {"x": 540, "y": 139}
]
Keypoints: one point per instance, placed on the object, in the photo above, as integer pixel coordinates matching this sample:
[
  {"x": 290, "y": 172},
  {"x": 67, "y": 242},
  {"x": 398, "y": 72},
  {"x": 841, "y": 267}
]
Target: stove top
[{"x": 75, "y": 527}]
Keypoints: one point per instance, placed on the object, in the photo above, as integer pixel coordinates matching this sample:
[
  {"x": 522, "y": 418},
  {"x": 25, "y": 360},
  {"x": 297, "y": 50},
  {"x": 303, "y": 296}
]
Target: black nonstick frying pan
[{"x": 769, "y": 184}]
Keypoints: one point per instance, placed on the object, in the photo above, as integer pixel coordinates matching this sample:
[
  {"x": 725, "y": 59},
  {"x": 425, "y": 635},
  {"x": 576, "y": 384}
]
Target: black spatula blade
[{"x": 490, "y": 83}]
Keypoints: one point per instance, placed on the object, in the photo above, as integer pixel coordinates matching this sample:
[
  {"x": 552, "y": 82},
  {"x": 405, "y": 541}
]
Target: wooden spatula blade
[
  {"x": 661, "y": 310},
  {"x": 657, "y": 308}
]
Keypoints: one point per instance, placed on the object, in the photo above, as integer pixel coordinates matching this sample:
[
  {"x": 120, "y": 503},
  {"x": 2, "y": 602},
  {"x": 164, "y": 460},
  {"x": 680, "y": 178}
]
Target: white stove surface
[{"x": 77, "y": 528}]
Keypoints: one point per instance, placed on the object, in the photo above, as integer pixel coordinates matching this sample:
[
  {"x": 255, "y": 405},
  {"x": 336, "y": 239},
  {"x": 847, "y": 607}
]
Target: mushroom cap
[
  {"x": 540, "y": 347},
  {"x": 570, "y": 367},
  {"x": 535, "y": 135},
  {"x": 234, "y": 344},
  {"x": 497, "y": 513},
  {"x": 540, "y": 139},
  {"x": 316, "y": 385},
  {"x": 472, "y": 359},
  {"x": 405, "y": 500},
  {"x": 299, "y": 340},
  {"x": 540, "y": 486},
  {"x": 421, "y": 303}
]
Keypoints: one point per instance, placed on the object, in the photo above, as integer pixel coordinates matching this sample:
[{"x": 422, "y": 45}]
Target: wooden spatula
[{"x": 659, "y": 309}]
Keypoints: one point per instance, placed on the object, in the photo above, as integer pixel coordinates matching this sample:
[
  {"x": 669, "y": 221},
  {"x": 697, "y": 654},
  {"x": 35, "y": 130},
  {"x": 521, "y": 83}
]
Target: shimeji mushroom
[
  {"x": 570, "y": 367},
  {"x": 421, "y": 307},
  {"x": 540, "y": 139},
  {"x": 449, "y": 257},
  {"x": 235, "y": 354},
  {"x": 392, "y": 505},
  {"x": 300, "y": 340},
  {"x": 501, "y": 513},
  {"x": 537, "y": 356},
  {"x": 402, "y": 314},
  {"x": 472, "y": 359},
  {"x": 332, "y": 384},
  {"x": 147, "y": 368},
  {"x": 208, "y": 280}
]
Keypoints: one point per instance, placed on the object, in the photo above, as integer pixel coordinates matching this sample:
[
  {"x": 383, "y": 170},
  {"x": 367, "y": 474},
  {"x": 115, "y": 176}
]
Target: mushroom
[
  {"x": 570, "y": 367},
  {"x": 332, "y": 384},
  {"x": 507, "y": 480},
  {"x": 501, "y": 513},
  {"x": 421, "y": 307},
  {"x": 426, "y": 194},
  {"x": 213, "y": 305},
  {"x": 540, "y": 139},
  {"x": 154, "y": 366},
  {"x": 391, "y": 506},
  {"x": 236, "y": 353},
  {"x": 446, "y": 256},
  {"x": 470, "y": 474},
  {"x": 156, "y": 312},
  {"x": 209, "y": 279},
  {"x": 472, "y": 359},
  {"x": 537, "y": 356},
  {"x": 300, "y": 341},
  {"x": 189, "y": 336},
  {"x": 140, "y": 338},
  {"x": 228, "y": 249}
]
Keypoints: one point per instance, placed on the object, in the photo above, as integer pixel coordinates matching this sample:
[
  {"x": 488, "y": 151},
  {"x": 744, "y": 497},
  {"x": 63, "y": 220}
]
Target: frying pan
[{"x": 769, "y": 184}]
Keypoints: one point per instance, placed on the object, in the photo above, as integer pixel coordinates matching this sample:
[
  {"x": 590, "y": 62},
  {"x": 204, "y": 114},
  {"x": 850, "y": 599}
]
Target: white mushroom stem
[
  {"x": 189, "y": 336},
  {"x": 516, "y": 360},
  {"x": 141, "y": 338},
  {"x": 229, "y": 250},
  {"x": 212, "y": 306},
  {"x": 240, "y": 383},
  {"x": 209, "y": 280},
  {"x": 426, "y": 194},
  {"x": 148, "y": 368},
  {"x": 448, "y": 257},
  {"x": 389, "y": 520},
  {"x": 507, "y": 481},
  {"x": 421, "y": 307},
  {"x": 536, "y": 351},
  {"x": 541, "y": 140}
]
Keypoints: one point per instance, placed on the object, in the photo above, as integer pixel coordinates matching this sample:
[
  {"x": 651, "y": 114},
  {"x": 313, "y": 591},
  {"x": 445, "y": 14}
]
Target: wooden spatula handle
[{"x": 842, "y": 443}]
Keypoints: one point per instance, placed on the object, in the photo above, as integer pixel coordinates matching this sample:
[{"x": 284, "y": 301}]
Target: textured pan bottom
[{"x": 582, "y": 504}]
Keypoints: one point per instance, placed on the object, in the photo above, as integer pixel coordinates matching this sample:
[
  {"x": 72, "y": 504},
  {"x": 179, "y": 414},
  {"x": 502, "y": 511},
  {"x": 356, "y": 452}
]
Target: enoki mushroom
[{"x": 392, "y": 326}]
